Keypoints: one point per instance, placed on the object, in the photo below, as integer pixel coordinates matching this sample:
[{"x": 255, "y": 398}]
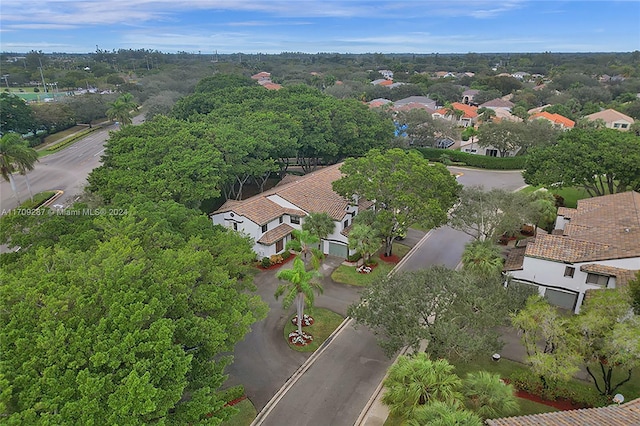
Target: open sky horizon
[{"x": 330, "y": 26}]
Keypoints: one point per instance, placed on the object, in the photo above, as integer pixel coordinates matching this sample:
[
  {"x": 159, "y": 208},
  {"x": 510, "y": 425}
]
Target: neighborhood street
[
  {"x": 337, "y": 386},
  {"x": 65, "y": 170}
]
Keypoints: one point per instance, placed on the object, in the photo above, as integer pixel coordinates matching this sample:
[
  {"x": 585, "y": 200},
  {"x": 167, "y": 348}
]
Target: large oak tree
[
  {"x": 404, "y": 188},
  {"x": 601, "y": 161}
]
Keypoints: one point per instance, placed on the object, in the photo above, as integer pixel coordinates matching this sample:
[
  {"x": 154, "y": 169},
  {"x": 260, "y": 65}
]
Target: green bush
[
  {"x": 285, "y": 254},
  {"x": 354, "y": 257},
  {"x": 266, "y": 262},
  {"x": 581, "y": 394},
  {"x": 474, "y": 160}
]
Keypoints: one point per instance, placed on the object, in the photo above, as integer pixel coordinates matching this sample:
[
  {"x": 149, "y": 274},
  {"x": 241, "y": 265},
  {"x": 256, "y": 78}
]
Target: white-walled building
[
  {"x": 595, "y": 246},
  {"x": 268, "y": 218}
]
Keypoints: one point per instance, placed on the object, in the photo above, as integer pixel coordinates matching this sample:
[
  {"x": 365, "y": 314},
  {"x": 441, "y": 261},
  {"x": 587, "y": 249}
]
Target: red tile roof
[
  {"x": 555, "y": 118},
  {"x": 469, "y": 110}
]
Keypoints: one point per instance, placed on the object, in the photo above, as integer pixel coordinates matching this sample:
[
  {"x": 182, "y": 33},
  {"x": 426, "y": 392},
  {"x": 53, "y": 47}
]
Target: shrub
[
  {"x": 275, "y": 259},
  {"x": 354, "y": 257},
  {"x": 285, "y": 254},
  {"x": 265, "y": 262},
  {"x": 475, "y": 160}
]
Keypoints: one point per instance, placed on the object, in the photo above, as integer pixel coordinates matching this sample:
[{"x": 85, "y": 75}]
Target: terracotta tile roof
[
  {"x": 623, "y": 276},
  {"x": 258, "y": 209},
  {"x": 600, "y": 228},
  {"x": 276, "y": 234},
  {"x": 613, "y": 415},
  {"x": 260, "y": 75},
  {"x": 555, "y": 118},
  {"x": 469, "y": 111},
  {"x": 311, "y": 193},
  {"x": 566, "y": 212},
  {"x": 272, "y": 86},
  {"x": 515, "y": 259}
]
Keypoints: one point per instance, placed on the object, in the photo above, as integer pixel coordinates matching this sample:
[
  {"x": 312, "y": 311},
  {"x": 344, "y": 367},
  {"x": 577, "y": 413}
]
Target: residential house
[
  {"x": 382, "y": 82},
  {"x": 594, "y": 246},
  {"x": 627, "y": 414},
  {"x": 378, "y": 102},
  {"x": 498, "y": 104},
  {"x": 261, "y": 76},
  {"x": 468, "y": 116},
  {"x": 388, "y": 74},
  {"x": 420, "y": 100},
  {"x": 557, "y": 120},
  {"x": 467, "y": 96},
  {"x": 520, "y": 75},
  {"x": 612, "y": 118},
  {"x": 270, "y": 217}
]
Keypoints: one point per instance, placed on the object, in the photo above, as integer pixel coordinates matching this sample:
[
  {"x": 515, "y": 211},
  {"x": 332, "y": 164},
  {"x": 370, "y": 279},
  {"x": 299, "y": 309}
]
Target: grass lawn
[
  {"x": 325, "y": 322},
  {"x": 570, "y": 195},
  {"x": 348, "y": 275},
  {"x": 246, "y": 415},
  {"x": 38, "y": 199}
]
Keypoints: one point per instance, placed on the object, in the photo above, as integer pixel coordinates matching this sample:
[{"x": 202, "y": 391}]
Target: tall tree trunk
[
  {"x": 300, "y": 311},
  {"x": 28, "y": 186},
  {"x": 13, "y": 187}
]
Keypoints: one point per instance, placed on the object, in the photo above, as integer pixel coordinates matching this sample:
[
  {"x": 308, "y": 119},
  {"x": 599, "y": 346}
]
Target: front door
[{"x": 279, "y": 245}]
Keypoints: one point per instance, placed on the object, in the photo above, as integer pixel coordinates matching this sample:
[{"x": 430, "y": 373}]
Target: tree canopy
[
  {"x": 404, "y": 188},
  {"x": 602, "y": 161},
  {"x": 454, "y": 312},
  {"x": 131, "y": 330}
]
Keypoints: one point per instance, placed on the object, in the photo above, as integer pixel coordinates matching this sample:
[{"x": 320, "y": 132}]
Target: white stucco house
[
  {"x": 612, "y": 119},
  {"x": 268, "y": 218},
  {"x": 594, "y": 246}
]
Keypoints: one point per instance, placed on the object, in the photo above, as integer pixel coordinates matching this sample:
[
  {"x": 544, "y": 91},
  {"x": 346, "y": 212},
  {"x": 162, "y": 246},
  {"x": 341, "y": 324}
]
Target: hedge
[{"x": 474, "y": 160}]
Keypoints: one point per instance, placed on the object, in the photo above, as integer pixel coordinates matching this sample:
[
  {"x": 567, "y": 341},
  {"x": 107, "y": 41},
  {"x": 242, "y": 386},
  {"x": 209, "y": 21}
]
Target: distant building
[{"x": 613, "y": 119}]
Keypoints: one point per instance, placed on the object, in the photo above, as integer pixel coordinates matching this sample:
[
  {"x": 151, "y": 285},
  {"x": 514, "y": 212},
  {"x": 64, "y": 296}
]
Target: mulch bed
[
  {"x": 237, "y": 400},
  {"x": 390, "y": 259},
  {"x": 560, "y": 404},
  {"x": 277, "y": 265}
]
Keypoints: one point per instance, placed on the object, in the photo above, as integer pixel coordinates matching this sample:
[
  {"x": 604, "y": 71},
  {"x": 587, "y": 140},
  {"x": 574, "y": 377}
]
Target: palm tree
[
  {"x": 299, "y": 288},
  {"x": 16, "y": 156},
  {"x": 319, "y": 224},
  {"x": 120, "y": 109},
  {"x": 302, "y": 242},
  {"x": 414, "y": 381},
  {"x": 440, "y": 413},
  {"x": 488, "y": 396},
  {"x": 482, "y": 257},
  {"x": 364, "y": 240}
]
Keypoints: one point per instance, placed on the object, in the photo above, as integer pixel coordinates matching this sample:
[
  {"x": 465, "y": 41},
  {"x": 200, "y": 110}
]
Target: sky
[{"x": 329, "y": 26}]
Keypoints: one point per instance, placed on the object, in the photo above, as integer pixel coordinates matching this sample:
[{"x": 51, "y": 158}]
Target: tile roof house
[
  {"x": 468, "y": 118},
  {"x": 612, "y": 118},
  {"x": 557, "y": 119},
  {"x": 468, "y": 95},
  {"x": 594, "y": 246},
  {"x": 498, "y": 103},
  {"x": 270, "y": 217},
  {"x": 423, "y": 100},
  {"x": 613, "y": 415}
]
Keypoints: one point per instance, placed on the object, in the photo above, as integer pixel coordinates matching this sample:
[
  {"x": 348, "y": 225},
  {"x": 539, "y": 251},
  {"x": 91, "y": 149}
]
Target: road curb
[{"x": 298, "y": 373}]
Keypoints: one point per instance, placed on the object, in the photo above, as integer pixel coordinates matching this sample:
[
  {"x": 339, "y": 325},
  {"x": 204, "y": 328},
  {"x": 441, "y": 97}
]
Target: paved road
[
  {"x": 65, "y": 170},
  {"x": 337, "y": 386}
]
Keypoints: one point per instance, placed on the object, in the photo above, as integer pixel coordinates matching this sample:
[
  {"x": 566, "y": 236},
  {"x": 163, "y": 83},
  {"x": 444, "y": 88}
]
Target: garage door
[
  {"x": 561, "y": 299},
  {"x": 338, "y": 250}
]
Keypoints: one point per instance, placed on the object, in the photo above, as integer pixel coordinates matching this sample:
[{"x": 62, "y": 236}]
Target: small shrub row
[
  {"x": 580, "y": 394},
  {"x": 58, "y": 146},
  {"x": 354, "y": 257},
  {"x": 275, "y": 259},
  {"x": 473, "y": 160}
]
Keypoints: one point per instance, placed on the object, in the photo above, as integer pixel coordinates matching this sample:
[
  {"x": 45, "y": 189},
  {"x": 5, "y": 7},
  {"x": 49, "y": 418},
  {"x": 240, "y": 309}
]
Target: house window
[
  {"x": 624, "y": 126},
  {"x": 235, "y": 226},
  {"x": 346, "y": 224},
  {"x": 295, "y": 219},
  {"x": 279, "y": 246},
  {"x": 568, "y": 271},
  {"x": 280, "y": 219},
  {"x": 599, "y": 280},
  {"x": 264, "y": 228},
  {"x": 616, "y": 125},
  {"x": 492, "y": 152}
]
